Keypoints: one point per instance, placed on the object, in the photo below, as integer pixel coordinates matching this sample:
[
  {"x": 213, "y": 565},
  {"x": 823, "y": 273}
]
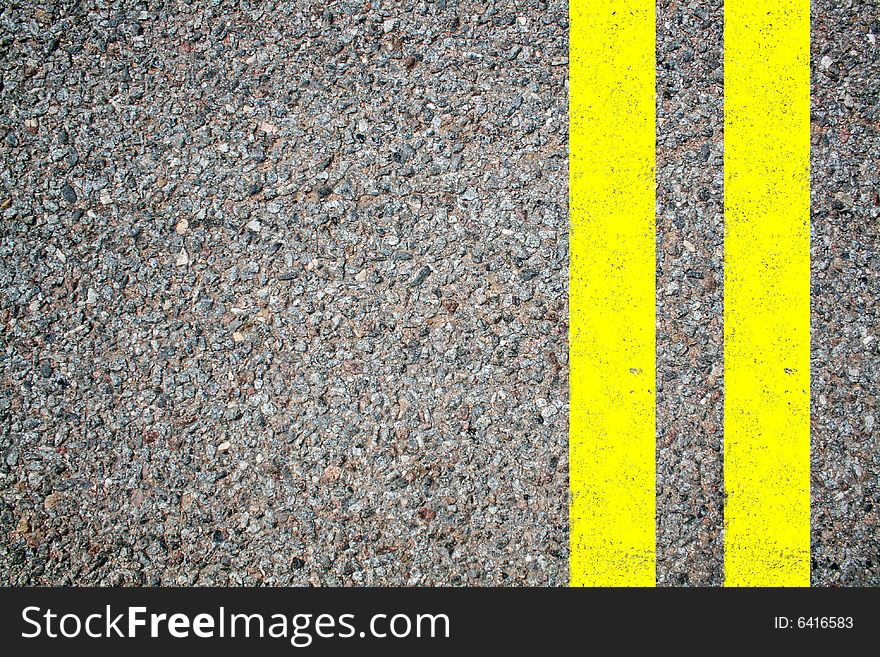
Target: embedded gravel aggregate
[
  {"x": 690, "y": 310},
  {"x": 845, "y": 174},
  {"x": 284, "y": 293}
]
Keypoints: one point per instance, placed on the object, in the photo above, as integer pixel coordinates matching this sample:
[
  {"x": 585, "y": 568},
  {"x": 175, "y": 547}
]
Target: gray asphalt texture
[
  {"x": 690, "y": 310},
  {"x": 845, "y": 369},
  {"x": 284, "y": 293}
]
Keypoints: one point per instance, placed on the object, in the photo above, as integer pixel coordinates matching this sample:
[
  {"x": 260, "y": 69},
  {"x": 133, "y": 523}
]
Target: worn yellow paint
[
  {"x": 767, "y": 292},
  {"x": 612, "y": 302}
]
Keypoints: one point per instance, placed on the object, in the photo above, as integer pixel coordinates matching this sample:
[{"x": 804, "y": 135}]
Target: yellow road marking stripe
[
  {"x": 612, "y": 331},
  {"x": 767, "y": 292}
]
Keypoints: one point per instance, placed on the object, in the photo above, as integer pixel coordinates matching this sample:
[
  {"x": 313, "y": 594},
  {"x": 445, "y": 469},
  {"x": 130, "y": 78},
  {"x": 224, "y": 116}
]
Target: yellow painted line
[
  {"x": 612, "y": 307},
  {"x": 767, "y": 292}
]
